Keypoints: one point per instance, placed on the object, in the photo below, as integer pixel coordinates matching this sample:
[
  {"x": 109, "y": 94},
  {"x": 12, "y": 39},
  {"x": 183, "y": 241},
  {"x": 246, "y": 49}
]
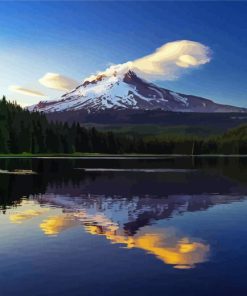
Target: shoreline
[{"x": 116, "y": 156}]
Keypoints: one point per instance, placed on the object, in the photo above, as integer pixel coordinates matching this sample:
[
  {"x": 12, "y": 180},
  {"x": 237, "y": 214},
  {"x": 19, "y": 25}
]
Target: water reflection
[
  {"x": 166, "y": 244},
  {"x": 20, "y": 217},
  {"x": 159, "y": 177},
  {"x": 29, "y": 210},
  {"x": 114, "y": 219},
  {"x": 135, "y": 220},
  {"x": 56, "y": 224}
]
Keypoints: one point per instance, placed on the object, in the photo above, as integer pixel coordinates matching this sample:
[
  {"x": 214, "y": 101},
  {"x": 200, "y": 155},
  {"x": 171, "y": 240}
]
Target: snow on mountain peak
[{"x": 119, "y": 87}]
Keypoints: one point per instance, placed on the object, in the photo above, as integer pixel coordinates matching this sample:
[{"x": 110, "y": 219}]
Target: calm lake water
[{"x": 171, "y": 226}]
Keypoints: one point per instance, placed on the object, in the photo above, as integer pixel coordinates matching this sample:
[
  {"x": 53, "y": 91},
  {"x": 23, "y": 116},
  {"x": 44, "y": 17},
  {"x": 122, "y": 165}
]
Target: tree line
[{"x": 22, "y": 131}]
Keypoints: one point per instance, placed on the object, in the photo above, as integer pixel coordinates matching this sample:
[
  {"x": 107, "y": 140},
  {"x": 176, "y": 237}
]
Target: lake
[{"x": 115, "y": 226}]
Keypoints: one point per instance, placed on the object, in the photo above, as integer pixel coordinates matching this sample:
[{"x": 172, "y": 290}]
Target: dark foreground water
[{"x": 174, "y": 226}]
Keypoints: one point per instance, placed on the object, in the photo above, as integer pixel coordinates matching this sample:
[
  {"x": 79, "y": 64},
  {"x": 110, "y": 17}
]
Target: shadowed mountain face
[{"x": 127, "y": 91}]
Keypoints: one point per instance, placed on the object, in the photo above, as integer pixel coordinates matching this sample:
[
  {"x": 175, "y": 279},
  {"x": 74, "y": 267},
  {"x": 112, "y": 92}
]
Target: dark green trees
[{"x": 22, "y": 131}]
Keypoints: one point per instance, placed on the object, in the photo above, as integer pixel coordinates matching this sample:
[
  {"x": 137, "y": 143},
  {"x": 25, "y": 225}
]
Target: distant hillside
[{"x": 219, "y": 121}]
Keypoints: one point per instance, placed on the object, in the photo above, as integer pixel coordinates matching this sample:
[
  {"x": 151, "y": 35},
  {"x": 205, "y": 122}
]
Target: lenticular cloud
[
  {"x": 172, "y": 59},
  {"x": 58, "y": 81},
  {"x": 25, "y": 91}
]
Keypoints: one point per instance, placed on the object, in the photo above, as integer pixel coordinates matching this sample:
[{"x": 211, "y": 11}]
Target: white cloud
[
  {"x": 172, "y": 59},
  {"x": 25, "y": 91},
  {"x": 57, "y": 81},
  {"x": 168, "y": 62}
]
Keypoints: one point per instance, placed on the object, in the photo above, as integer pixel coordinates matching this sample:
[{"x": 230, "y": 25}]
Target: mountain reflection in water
[
  {"x": 125, "y": 224},
  {"x": 97, "y": 216},
  {"x": 127, "y": 207}
]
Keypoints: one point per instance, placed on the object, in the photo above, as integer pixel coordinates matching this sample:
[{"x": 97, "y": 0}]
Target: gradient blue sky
[{"x": 79, "y": 38}]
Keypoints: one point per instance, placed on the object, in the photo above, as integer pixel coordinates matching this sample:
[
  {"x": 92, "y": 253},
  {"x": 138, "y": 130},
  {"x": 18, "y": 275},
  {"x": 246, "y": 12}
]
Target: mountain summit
[{"x": 121, "y": 90}]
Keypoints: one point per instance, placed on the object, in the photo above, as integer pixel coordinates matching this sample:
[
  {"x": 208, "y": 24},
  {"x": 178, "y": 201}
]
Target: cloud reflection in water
[
  {"x": 167, "y": 244},
  {"x": 101, "y": 217}
]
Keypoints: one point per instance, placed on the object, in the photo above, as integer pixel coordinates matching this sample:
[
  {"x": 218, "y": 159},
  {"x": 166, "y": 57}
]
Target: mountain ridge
[{"x": 124, "y": 90}]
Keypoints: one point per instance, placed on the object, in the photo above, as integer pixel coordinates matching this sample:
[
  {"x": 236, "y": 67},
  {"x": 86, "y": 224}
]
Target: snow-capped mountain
[{"x": 119, "y": 90}]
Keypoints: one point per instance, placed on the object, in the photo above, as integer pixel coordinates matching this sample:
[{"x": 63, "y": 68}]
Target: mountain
[{"x": 124, "y": 90}]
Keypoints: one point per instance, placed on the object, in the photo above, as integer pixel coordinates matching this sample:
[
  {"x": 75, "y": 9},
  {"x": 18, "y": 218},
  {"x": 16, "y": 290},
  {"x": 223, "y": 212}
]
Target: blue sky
[{"x": 77, "y": 39}]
